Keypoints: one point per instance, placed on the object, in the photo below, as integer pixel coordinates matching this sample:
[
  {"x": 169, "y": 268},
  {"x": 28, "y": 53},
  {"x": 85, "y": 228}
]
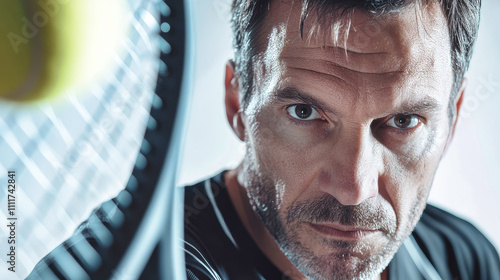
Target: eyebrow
[
  {"x": 293, "y": 94},
  {"x": 426, "y": 104}
]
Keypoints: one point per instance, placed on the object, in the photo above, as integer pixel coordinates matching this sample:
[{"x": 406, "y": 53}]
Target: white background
[{"x": 468, "y": 179}]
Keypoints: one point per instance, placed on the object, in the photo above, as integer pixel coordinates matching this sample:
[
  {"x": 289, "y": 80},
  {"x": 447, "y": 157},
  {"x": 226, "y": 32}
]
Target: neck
[{"x": 256, "y": 228}]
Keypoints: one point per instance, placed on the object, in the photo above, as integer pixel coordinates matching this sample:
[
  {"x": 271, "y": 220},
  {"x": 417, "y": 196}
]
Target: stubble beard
[{"x": 342, "y": 264}]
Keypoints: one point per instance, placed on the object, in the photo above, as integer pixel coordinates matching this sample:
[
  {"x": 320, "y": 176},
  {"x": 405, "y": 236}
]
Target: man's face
[{"x": 343, "y": 139}]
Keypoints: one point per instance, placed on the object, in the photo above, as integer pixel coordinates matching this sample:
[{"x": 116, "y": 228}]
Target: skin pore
[{"x": 343, "y": 138}]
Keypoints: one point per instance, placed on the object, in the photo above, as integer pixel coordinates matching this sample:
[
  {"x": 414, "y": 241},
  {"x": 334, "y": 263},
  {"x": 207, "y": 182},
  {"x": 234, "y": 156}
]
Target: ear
[
  {"x": 232, "y": 101},
  {"x": 457, "y": 104}
]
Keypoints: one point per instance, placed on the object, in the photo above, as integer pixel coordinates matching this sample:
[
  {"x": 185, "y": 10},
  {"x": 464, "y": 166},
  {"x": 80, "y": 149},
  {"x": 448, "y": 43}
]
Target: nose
[{"x": 351, "y": 174}]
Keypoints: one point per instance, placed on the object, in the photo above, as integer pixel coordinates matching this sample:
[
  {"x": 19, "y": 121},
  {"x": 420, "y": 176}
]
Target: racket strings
[{"x": 71, "y": 156}]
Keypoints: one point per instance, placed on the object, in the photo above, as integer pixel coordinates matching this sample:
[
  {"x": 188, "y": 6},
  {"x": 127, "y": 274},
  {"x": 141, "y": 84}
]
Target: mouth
[{"x": 343, "y": 233}]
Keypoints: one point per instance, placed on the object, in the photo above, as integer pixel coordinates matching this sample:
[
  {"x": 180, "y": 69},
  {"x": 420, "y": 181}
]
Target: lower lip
[{"x": 354, "y": 235}]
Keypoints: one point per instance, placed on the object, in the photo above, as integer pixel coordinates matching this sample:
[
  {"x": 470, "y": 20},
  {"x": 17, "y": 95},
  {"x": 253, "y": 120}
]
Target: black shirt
[{"x": 218, "y": 246}]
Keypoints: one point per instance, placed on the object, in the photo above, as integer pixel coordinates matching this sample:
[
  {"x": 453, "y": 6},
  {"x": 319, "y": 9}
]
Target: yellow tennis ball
[{"x": 48, "y": 47}]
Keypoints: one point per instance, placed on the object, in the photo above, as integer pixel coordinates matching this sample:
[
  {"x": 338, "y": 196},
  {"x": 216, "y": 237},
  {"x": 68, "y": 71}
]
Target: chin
[
  {"x": 322, "y": 258},
  {"x": 339, "y": 266}
]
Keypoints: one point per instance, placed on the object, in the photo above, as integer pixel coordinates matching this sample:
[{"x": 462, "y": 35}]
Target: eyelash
[
  {"x": 403, "y": 132},
  {"x": 303, "y": 123}
]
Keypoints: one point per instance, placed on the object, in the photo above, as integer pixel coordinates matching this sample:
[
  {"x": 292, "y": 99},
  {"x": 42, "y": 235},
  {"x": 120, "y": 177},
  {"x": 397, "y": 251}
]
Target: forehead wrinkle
[
  {"x": 346, "y": 66},
  {"x": 342, "y": 83},
  {"x": 319, "y": 62},
  {"x": 374, "y": 62},
  {"x": 354, "y": 79},
  {"x": 357, "y": 93}
]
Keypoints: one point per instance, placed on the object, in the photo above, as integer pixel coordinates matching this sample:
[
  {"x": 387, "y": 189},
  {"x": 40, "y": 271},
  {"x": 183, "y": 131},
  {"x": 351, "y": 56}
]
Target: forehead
[
  {"x": 366, "y": 32},
  {"x": 363, "y": 50}
]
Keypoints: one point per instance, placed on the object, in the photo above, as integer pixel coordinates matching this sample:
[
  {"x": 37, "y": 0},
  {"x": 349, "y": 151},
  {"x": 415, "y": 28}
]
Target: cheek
[
  {"x": 285, "y": 156},
  {"x": 407, "y": 181}
]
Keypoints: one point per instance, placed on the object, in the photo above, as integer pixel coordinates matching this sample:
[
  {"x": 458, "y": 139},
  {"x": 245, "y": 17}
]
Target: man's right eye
[{"x": 303, "y": 112}]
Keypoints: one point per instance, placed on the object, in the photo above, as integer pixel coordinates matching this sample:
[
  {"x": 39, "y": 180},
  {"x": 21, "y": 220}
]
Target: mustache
[{"x": 371, "y": 214}]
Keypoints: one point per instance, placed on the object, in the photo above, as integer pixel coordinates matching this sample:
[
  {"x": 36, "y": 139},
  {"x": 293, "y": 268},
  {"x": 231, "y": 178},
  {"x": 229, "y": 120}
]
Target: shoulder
[
  {"x": 201, "y": 203},
  {"x": 203, "y": 236},
  {"x": 216, "y": 243},
  {"x": 456, "y": 247}
]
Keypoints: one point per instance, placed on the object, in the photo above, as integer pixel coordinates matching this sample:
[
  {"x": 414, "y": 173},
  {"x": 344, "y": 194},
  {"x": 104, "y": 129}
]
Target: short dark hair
[{"x": 247, "y": 16}]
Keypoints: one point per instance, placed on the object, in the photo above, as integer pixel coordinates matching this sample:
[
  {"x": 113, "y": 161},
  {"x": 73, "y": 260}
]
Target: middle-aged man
[{"x": 346, "y": 108}]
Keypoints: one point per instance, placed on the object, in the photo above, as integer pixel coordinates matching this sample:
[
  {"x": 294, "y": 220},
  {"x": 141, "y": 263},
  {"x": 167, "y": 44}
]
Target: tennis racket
[{"x": 124, "y": 130}]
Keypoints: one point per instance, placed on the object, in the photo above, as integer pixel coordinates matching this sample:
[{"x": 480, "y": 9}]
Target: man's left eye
[
  {"x": 403, "y": 121},
  {"x": 303, "y": 112}
]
